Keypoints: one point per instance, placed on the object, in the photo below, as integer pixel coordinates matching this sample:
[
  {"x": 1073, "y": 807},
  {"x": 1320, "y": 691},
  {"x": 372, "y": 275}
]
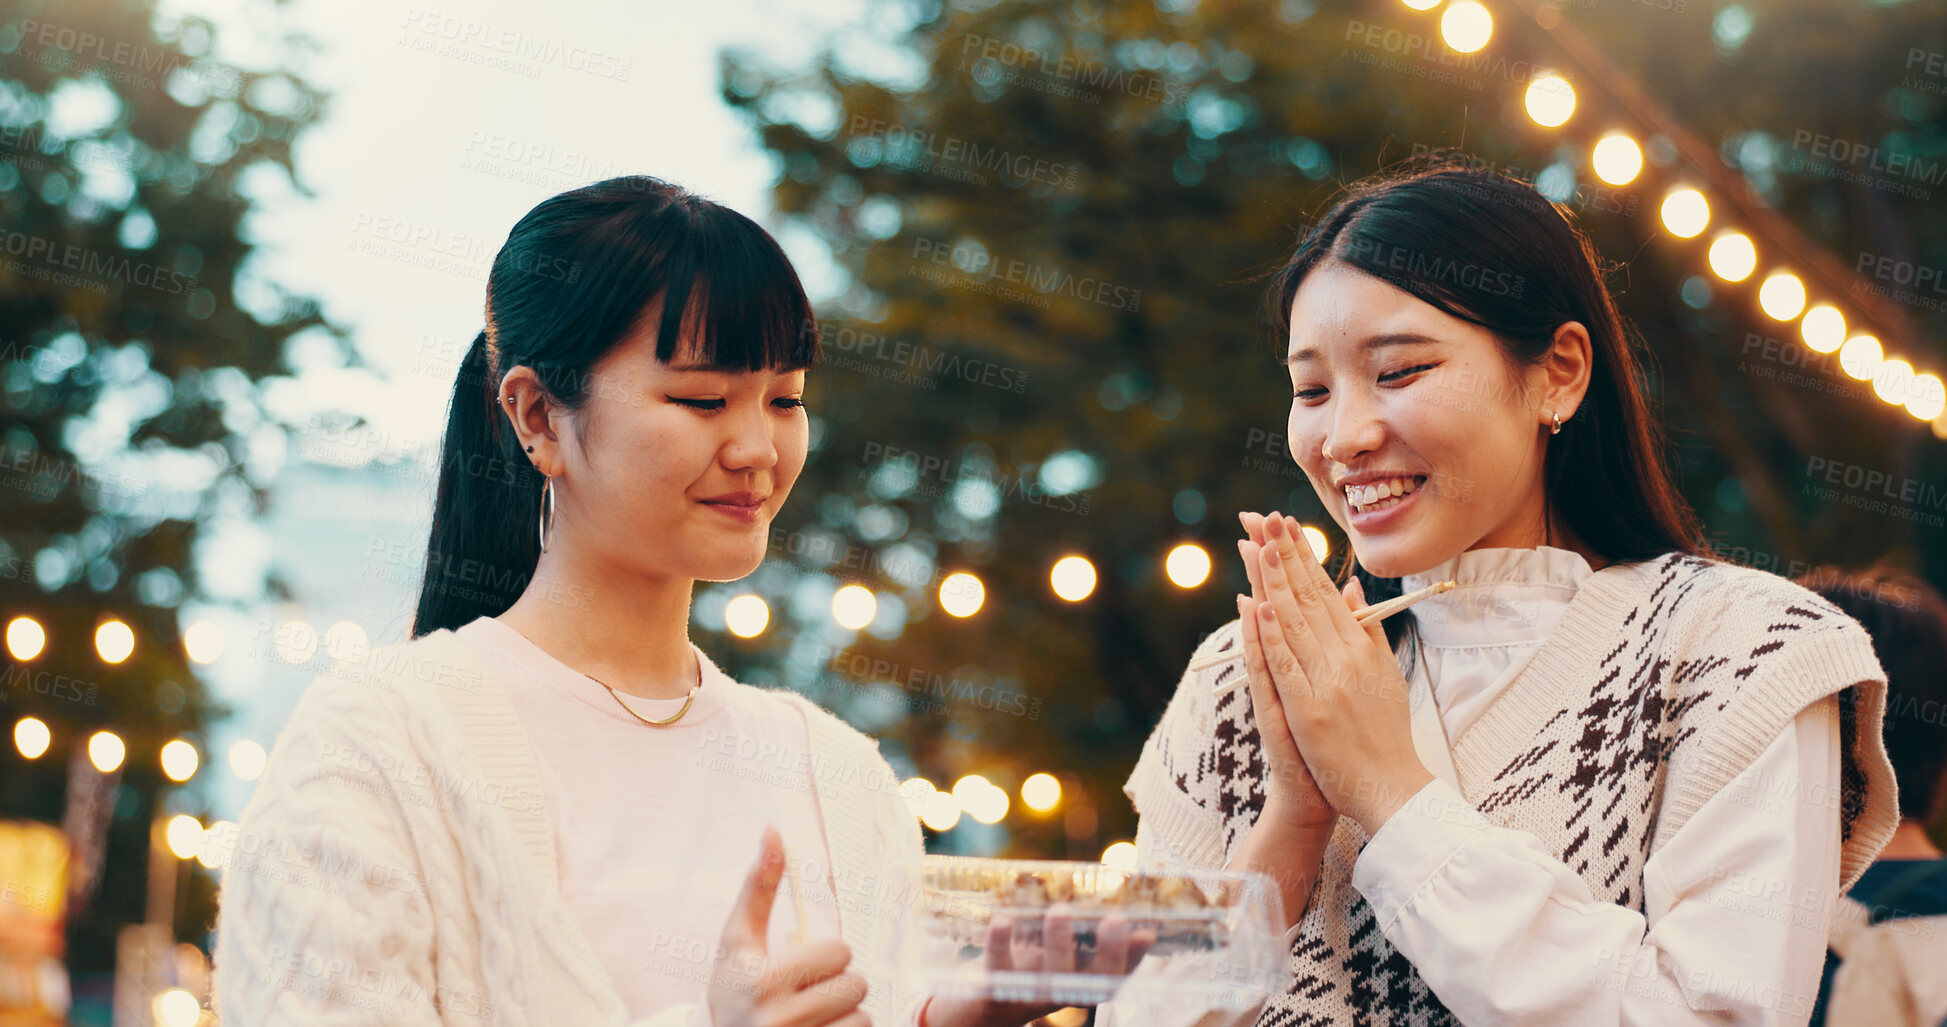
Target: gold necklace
[{"x": 654, "y": 723}]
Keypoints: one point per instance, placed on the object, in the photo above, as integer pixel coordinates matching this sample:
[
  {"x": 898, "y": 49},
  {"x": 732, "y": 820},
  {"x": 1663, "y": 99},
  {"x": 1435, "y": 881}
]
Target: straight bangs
[{"x": 728, "y": 287}]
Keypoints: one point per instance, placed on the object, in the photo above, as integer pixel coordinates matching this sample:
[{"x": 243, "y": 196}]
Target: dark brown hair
[
  {"x": 1492, "y": 251},
  {"x": 578, "y": 275}
]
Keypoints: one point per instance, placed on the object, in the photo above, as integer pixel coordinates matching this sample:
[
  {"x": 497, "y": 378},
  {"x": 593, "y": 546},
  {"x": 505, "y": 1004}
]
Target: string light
[
  {"x": 746, "y": 615},
  {"x": 962, "y": 594},
  {"x": 1550, "y": 100},
  {"x": 1073, "y": 578},
  {"x": 1733, "y": 257},
  {"x": 114, "y": 641},
  {"x": 1467, "y": 26},
  {"x": 1781, "y": 296},
  {"x": 25, "y": 638},
  {"x": 1823, "y": 328},
  {"x": 1860, "y": 357},
  {"x": 1617, "y": 159},
  {"x": 1188, "y": 565},
  {"x": 854, "y": 606},
  {"x": 1686, "y": 213}
]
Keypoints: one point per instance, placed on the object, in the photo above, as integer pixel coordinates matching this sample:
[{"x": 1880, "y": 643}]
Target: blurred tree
[
  {"x": 132, "y": 332},
  {"x": 1049, "y": 214}
]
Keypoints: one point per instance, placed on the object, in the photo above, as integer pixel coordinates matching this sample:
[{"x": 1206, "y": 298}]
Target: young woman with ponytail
[{"x": 541, "y": 809}]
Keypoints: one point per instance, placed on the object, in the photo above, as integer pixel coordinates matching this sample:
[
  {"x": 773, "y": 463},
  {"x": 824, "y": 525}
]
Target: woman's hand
[
  {"x": 1292, "y": 797},
  {"x": 806, "y": 986},
  {"x": 1337, "y": 681}
]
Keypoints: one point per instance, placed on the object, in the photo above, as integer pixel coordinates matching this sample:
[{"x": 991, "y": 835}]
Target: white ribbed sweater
[{"x": 396, "y": 865}]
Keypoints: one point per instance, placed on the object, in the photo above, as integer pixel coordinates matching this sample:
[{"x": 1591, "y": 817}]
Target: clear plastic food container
[{"x": 1067, "y": 932}]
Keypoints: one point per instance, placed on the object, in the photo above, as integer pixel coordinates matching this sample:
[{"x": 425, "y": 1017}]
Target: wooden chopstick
[{"x": 1381, "y": 611}]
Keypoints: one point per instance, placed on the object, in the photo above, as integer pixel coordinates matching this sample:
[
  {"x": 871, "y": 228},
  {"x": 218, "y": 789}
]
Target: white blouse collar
[{"x": 1498, "y": 594}]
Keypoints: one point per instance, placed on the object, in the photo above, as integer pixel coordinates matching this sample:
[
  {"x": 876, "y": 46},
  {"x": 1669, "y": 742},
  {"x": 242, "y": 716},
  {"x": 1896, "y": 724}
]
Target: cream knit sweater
[{"x": 395, "y": 864}]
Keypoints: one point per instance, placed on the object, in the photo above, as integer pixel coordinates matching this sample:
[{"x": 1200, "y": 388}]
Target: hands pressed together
[{"x": 1330, "y": 702}]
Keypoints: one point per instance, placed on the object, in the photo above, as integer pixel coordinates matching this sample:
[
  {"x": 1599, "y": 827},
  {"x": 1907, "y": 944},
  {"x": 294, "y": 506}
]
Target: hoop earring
[
  {"x": 547, "y": 511},
  {"x": 1557, "y": 430}
]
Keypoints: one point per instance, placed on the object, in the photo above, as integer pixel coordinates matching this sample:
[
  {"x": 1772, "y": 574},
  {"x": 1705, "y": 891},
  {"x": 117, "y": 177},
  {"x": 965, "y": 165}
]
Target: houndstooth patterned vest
[{"x": 1664, "y": 678}]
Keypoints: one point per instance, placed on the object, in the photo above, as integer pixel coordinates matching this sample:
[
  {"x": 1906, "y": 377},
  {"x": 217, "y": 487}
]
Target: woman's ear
[{"x": 1565, "y": 372}]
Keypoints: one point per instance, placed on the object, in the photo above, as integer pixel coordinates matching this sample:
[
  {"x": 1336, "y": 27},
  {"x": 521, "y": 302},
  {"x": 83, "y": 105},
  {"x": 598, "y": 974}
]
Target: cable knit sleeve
[
  {"x": 1188, "y": 794},
  {"x": 323, "y": 915}
]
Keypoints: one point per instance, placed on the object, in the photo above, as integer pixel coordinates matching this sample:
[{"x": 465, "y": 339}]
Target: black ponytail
[
  {"x": 570, "y": 284},
  {"x": 478, "y": 559}
]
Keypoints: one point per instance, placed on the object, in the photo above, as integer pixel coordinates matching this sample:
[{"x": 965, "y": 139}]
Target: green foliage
[
  {"x": 1083, "y": 195},
  {"x": 131, "y": 335}
]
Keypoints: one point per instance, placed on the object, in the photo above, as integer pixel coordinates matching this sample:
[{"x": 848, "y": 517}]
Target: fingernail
[{"x": 1271, "y": 555}]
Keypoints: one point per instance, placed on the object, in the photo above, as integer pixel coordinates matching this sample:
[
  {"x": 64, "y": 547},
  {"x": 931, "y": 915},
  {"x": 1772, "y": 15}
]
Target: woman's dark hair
[
  {"x": 1907, "y": 619},
  {"x": 575, "y": 278},
  {"x": 1492, "y": 251}
]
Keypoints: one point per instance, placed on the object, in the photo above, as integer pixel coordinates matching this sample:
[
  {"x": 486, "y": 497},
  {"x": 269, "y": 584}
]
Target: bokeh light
[
  {"x": 1686, "y": 213},
  {"x": 203, "y": 642},
  {"x": 1073, "y": 578},
  {"x": 114, "y": 641},
  {"x": 1550, "y": 100},
  {"x": 854, "y": 606},
  {"x": 1860, "y": 357},
  {"x": 1041, "y": 792},
  {"x": 25, "y": 638},
  {"x": 1823, "y": 328},
  {"x": 1617, "y": 159},
  {"x": 106, "y": 750},
  {"x": 747, "y": 615},
  {"x": 1733, "y": 257},
  {"x": 962, "y": 594},
  {"x": 1467, "y": 26},
  {"x": 1188, "y": 565},
  {"x": 32, "y": 737},
  {"x": 1782, "y": 296},
  {"x": 180, "y": 760}
]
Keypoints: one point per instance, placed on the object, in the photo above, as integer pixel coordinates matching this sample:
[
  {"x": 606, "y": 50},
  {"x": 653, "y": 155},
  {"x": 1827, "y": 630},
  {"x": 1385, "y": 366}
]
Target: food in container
[{"x": 1084, "y": 933}]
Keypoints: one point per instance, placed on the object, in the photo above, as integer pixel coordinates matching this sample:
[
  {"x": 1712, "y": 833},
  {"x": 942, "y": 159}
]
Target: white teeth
[{"x": 1367, "y": 495}]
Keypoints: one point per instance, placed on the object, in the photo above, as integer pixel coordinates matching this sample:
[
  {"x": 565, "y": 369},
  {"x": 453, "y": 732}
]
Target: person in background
[{"x": 1897, "y": 973}]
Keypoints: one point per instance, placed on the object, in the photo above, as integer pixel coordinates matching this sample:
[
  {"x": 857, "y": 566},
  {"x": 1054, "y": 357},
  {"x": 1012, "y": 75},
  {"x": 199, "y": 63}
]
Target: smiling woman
[
  {"x": 1544, "y": 796},
  {"x": 541, "y": 809}
]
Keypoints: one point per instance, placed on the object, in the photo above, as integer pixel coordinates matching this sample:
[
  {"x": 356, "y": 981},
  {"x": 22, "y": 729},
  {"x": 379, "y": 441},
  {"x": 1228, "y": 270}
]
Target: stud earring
[{"x": 1557, "y": 429}]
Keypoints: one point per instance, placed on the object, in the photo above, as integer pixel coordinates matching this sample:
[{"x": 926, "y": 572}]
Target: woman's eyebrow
[{"x": 1310, "y": 353}]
